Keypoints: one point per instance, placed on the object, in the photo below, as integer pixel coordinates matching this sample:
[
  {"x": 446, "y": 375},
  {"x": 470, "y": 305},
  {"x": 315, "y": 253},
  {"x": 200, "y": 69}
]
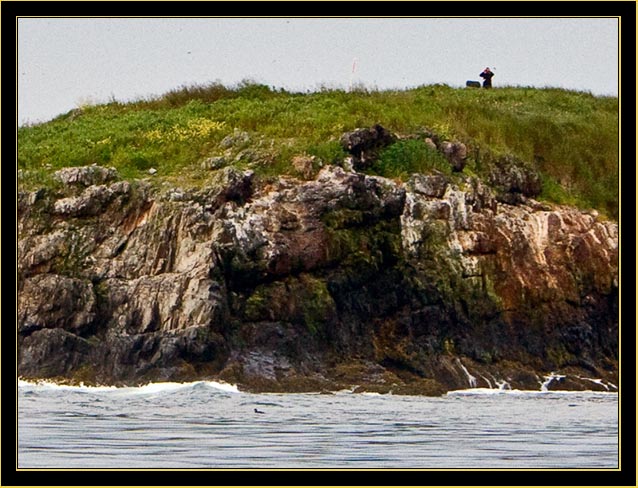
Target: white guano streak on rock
[{"x": 470, "y": 379}]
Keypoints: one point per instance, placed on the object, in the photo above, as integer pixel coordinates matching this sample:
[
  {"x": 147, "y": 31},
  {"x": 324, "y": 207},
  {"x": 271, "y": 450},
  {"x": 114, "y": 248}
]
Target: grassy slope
[{"x": 570, "y": 137}]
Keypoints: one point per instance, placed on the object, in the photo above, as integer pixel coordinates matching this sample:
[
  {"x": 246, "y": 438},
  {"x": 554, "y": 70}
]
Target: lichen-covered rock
[
  {"x": 455, "y": 153},
  {"x": 238, "y": 138},
  {"x": 513, "y": 180},
  {"x": 429, "y": 185},
  {"x": 86, "y": 175},
  {"x": 90, "y": 202},
  {"x": 365, "y": 144},
  {"x": 341, "y": 280},
  {"x": 214, "y": 162},
  {"x": 284, "y": 232}
]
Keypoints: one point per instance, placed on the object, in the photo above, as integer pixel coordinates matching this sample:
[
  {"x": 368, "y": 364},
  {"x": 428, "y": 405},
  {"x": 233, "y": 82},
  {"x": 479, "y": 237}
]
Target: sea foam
[
  {"x": 150, "y": 388},
  {"x": 494, "y": 391}
]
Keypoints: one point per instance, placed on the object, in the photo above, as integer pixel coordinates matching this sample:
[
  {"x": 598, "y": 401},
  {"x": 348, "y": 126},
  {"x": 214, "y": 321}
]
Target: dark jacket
[{"x": 487, "y": 76}]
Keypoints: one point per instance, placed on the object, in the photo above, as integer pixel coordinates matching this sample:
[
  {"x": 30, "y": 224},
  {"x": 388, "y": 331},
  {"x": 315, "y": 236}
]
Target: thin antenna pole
[{"x": 354, "y": 67}]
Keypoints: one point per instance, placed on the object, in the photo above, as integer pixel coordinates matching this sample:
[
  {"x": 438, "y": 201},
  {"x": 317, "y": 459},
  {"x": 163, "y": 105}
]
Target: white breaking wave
[
  {"x": 494, "y": 391},
  {"x": 152, "y": 388},
  {"x": 149, "y": 388},
  {"x": 482, "y": 391},
  {"x": 48, "y": 384}
]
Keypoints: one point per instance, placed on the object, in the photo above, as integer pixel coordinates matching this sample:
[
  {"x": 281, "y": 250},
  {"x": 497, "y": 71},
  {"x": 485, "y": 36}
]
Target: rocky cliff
[{"x": 345, "y": 280}]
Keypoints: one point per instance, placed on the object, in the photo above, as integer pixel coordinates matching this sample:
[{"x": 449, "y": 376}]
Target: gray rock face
[
  {"x": 215, "y": 162},
  {"x": 456, "y": 154},
  {"x": 429, "y": 186},
  {"x": 514, "y": 180},
  {"x": 364, "y": 144},
  {"x": 86, "y": 175},
  {"x": 238, "y": 139},
  {"x": 90, "y": 202},
  {"x": 54, "y": 301},
  {"x": 306, "y": 285}
]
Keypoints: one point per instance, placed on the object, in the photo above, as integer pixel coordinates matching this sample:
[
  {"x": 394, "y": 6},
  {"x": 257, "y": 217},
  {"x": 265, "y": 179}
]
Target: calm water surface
[{"x": 210, "y": 425}]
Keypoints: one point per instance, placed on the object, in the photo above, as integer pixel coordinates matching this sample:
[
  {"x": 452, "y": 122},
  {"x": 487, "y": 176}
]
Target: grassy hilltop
[{"x": 570, "y": 138}]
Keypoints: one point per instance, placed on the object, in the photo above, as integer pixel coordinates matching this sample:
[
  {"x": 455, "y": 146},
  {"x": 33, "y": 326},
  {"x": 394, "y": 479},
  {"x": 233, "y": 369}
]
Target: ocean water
[{"x": 213, "y": 425}]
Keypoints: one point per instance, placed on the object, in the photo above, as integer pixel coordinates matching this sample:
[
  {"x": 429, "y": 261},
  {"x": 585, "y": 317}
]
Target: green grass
[
  {"x": 570, "y": 137},
  {"x": 404, "y": 158}
]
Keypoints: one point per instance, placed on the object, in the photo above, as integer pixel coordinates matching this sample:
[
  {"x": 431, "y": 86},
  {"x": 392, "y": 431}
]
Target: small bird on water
[{"x": 259, "y": 411}]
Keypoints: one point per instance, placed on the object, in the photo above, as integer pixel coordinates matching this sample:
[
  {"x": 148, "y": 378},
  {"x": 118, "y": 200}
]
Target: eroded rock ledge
[{"x": 344, "y": 281}]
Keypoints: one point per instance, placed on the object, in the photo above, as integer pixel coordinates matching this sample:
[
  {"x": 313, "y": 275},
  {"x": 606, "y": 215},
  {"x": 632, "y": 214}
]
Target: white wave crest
[
  {"x": 169, "y": 386},
  {"x": 494, "y": 391},
  {"x": 150, "y": 388},
  {"x": 49, "y": 384}
]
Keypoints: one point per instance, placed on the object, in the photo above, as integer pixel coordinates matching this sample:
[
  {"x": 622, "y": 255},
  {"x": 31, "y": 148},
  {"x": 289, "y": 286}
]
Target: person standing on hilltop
[{"x": 487, "y": 77}]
